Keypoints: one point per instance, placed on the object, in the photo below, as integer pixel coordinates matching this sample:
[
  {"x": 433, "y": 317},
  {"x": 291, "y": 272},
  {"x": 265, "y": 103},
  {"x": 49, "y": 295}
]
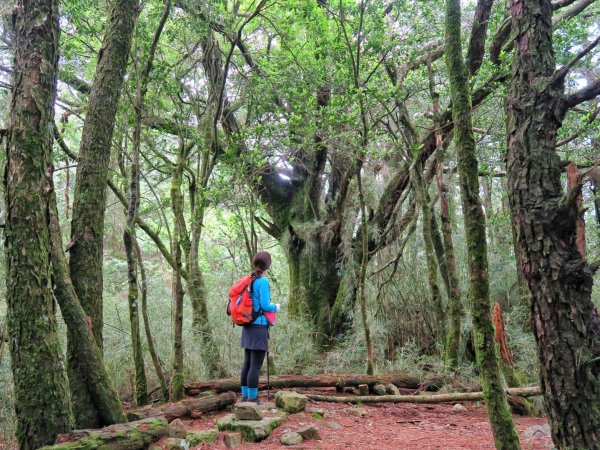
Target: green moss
[{"x": 200, "y": 437}]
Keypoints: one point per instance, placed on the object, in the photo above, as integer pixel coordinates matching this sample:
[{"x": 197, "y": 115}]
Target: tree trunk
[
  {"x": 294, "y": 381},
  {"x": 499, "y": 414},
  {"x": 40, "y": 383},
  {"x": 454, "y": 300},
  {"x": 149, "y": 339},
  {"x": 86, "y": 355},
  {"x": 177, "y": 288},
  {"x": 362, "y": 279},
  {"x": 89, "y": 202},
  {"x": 431, "y": 398},
  {"x": 564, "y": 319},
  {"x": 506, "y": 362},
  {"x": 432, "y": 265},
  {"x": 314, "y": 275},
  {"x": 129, "y": 236},
  {"x": 184, "y": 408},
  {"x": 129, "y": 436}
]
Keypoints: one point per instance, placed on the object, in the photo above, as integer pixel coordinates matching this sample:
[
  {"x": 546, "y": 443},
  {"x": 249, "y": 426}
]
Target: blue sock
[
  {"x": 245, "y": 391},
  {"x": 252, "y": 393}
]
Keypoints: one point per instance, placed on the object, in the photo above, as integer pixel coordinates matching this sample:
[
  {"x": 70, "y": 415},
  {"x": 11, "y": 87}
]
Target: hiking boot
[
  {"x": 254, "y": 400},
  {"x": 243, "y": 399}
]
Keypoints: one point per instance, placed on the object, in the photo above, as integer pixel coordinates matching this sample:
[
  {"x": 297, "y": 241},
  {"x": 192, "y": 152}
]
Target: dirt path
[{"x": 390, "y": 426}]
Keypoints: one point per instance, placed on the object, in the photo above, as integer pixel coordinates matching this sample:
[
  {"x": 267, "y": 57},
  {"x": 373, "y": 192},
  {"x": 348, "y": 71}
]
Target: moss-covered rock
[
  {"x": 252, "y": 430},
  {"x": 290, "y": 402},
  {"x": 200, "y": 437}
]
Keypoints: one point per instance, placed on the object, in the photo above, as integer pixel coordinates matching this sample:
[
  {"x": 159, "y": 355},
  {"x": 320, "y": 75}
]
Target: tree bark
[
  {"x": 184, "y": 408},
  {"x": 149, "y": 339},
  {"x": 564, "y": 319},
  {"x": 40, "y": 383},
  {"x": 127, "y": 436},
  {"x": 293, "y": 381},
  {"x": 431, "y": 398},
  {"x": 86, "y": 355},
  {"x": 177, "y": 287},
  {"x": 89, "y": 202},
  {"x": 499, "y": 414},
  {"x": 506, "y": 362}
]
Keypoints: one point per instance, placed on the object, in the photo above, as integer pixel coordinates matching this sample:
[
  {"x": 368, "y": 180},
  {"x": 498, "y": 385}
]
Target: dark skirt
[{"x": 255, "y": 337}]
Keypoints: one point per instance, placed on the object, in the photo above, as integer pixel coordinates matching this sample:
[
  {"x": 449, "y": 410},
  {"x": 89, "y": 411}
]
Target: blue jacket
[{"x": 261, "y": 298}]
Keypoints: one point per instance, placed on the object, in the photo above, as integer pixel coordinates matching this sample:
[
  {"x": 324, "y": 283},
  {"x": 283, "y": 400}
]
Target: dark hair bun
[{"x": 261, "y": 263}]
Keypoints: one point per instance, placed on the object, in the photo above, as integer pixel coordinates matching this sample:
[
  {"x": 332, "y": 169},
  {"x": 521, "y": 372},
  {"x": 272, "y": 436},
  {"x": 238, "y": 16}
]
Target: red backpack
[{"x": 240, "y": 306}]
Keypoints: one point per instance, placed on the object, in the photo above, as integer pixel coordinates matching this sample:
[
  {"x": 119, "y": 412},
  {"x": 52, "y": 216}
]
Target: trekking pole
[{"x": 268, "y": 376}]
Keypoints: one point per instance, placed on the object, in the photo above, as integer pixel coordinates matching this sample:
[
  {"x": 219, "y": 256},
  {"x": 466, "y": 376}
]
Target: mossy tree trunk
[
  {"x": 41, "y": 389},
  {"x": 129, "y": 235},
  {"x": 454, "y": 298},
  {"x": 448, "y": 263},
  {"x": 565, "y": 321},
  {"x": 105, "y": 397},
  {"x": 179, "y": 234},
  {"x": 89, "y": 202},
  {"x": 435, "y": 297},
  {"x": 505, "y": 435}
]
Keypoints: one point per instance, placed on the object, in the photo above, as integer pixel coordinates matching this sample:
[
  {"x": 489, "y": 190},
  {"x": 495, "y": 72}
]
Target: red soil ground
[{"x": 389, "y": 426}]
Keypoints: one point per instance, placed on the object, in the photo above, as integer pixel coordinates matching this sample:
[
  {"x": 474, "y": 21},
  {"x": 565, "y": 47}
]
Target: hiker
[{"x": 255, "y": 336}]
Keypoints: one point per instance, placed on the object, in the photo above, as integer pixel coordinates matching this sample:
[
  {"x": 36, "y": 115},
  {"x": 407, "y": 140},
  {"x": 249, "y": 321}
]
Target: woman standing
[{"x": 255, "y": 336}]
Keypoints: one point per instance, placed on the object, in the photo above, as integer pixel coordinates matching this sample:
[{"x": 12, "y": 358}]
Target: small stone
[
  {"x": 317, "y": 413},
  {"x": 458, "y": 408},
  {"x": 176, "y": 444},
  {"x": 309, "y": 432},
  {"x": 537, "y": 431},
  {"x": 379, "y": 389},
  {"x": 248, "y": 411},
  {"x": 290, "y": 402},
  {"x": 291, "y": 438},
  {"x": 232, "y": 440},
  {"x": 196, "y": 414},
  {"x": 334, "y": 425},
  {"x": 177, "y": 429},
  {"x": 363, "y": 389},
  {"x": 350, "y": 390},
  {"x": 392, "y": 389},
  {"x": 199, "y": 437},
  {"x": 357, "y": 411}
]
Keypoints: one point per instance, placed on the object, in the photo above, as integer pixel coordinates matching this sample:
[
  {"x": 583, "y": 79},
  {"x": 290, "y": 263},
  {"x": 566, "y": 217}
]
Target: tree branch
[{"x": 589, "y": 92}]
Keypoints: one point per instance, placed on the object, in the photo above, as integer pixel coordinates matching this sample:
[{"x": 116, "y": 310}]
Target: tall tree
[
  {"x": 87, "y": 226},
  {"x": 41, "y": 388},
  {"x": 505, "y": 435},
  {"x": 565, "y": 321}
]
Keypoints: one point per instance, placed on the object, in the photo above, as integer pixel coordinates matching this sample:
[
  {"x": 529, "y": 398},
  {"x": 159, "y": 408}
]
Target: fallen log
[
  {"x": 296, "y": 381},
  {"x": 184, "y": 407},
  {"x": 429, "y": 398},
  {"x": 122, "y": 436}
]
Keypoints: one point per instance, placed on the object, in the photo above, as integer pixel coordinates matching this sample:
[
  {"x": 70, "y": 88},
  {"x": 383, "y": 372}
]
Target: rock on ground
[
  {"x": 309, "y": 432},
  {"x": 357, "y": 411},
  {"x": 537, "y": 431},
  {"x": 458, "y": 408},
  {"x": 247, "y": 411},
  {"x": 317, "y": 413},
  {"x": 290, "y": 402},
  {"x": 252, "y": 430},
  {"x": 200, "y": 437},
  {"x": 177, "y": 429},
  {"x": 363, "y": 389},
  {"x": 291, "y": 438},
  {"x": 232, "y": 440},
  {"x": 379, "y": 389}
]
